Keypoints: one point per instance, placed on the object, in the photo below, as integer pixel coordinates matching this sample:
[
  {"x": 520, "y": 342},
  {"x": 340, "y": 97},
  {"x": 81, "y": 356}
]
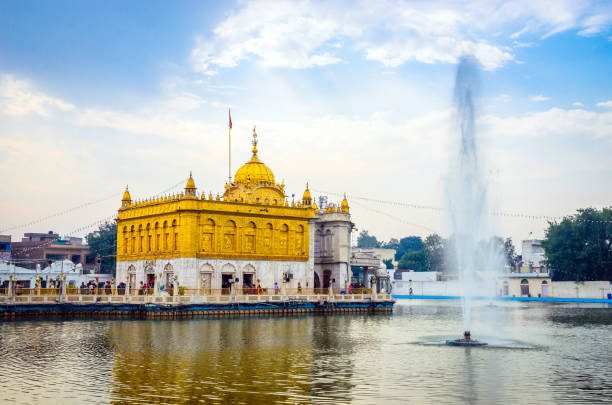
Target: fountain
[{"x": 467, "y": 205}]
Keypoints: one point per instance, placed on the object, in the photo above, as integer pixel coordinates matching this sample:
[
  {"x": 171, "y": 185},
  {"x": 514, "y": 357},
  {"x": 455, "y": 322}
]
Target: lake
[{"x": 559, "y": 353}]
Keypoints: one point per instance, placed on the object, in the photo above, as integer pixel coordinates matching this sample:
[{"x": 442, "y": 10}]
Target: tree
[
  {"x": 392, "y": 244},
  {"x": 579, "y": 247},
  {"x": 434, "y": 248},
  {"x": 408, "y": 244},
  {"x": 365, "y": 240},
  {"x": 414, "y": 260},
  {"x": 388, "y": 264},
  {"x": 511, "y": 257},
  {"x": 103, "y": 242}
]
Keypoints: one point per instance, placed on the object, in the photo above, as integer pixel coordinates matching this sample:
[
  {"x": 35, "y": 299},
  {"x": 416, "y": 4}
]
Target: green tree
[
  {"x": 414, "y": 260},
  {"x": 409, "y": 244},
  {"x": 434, "y": 248},
  {"x": 365, "y": 240},
  {"x": 579, "y": 248},
  {"x": 388, "y": 264},
  {"x": 392, "y": 244},
  {"x": 103, "y": 242}
]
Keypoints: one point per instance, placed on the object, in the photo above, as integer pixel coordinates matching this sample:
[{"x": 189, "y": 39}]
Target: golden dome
[{"x": 254, "y": 171}]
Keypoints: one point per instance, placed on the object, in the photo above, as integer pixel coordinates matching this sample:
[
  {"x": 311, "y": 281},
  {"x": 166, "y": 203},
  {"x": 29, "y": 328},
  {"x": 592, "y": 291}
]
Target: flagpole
[{"x": 229, "y": 172}]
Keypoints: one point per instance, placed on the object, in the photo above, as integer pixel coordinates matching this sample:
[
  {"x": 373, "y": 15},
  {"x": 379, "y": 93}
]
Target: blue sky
[{"x": 352, "y": 97}]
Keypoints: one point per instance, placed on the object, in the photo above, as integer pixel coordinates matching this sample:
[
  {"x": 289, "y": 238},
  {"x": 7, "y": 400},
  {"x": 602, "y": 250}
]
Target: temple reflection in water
[{"x": 232, "y": 360}]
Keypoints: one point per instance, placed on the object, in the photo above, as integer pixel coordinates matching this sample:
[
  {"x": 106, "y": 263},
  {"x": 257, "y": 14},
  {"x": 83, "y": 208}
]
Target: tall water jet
[{"x": 467, "y": 200}]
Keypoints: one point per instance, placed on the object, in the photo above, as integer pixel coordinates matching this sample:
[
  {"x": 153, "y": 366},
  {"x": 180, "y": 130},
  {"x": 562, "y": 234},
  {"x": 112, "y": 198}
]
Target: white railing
[{"x": 186, "y": 299}]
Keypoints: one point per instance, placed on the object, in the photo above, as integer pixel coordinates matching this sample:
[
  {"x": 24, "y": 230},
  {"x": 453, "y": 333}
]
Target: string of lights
[
  {"x": 90, "y": 225},
  {"x": 81, "y": 206},
  {"x": 440, "y": 209},
  {"x": 394, "y": 217}
]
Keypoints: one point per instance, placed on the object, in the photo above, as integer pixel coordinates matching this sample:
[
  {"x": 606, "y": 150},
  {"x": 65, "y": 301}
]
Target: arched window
[
  {"x": 229, "y": 236},
  {"x": 208, "y": 236},
  {"x": 328, "y": 248},
  {"x": 166, "y": 235},
  {"x": 299, "y": 240},
  {"x": 267, "y": 237},
  {"x": 250, "y": 237},
  {"x": 157, "y": 237},
  {"x": 175, "y": 236},
  {"x": 133, "y": 240},
  {"x": 125, "y": 240},
  {"x": 318, "y": 243},
  {"x": 148, "y": 237},
  {"x": 283, "y": 239}
]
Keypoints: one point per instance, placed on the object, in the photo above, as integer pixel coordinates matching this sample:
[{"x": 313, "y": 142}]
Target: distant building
[
  {"x": 43, "y": 247},
  {"x": 533, "y": 256},
  {"x": 5, "y": 247}
]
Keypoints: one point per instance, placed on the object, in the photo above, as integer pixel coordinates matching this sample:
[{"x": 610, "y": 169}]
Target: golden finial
[{"x": 254, "y": 150}]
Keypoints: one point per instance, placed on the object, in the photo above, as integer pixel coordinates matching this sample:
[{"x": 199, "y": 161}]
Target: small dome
[
  {"x": 126, "y": 195},
  {"x": 190, "y": 187},
  {"x": 344, "y": 206},
  {"x": 190, "y": 183},
  {"x": 307, "y": 198}
]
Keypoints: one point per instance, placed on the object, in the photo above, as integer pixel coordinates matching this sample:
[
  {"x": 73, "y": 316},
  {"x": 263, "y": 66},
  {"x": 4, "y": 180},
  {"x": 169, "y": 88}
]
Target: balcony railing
[{"x": 184, "y": 296}]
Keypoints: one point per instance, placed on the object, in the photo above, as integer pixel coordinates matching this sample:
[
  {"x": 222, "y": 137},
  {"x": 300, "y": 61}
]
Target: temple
[{"x": 249, "y": 235}]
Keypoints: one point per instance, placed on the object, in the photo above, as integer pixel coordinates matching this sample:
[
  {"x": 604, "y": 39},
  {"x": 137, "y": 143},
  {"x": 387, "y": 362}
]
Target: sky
[{"x": 351, "y": 97}]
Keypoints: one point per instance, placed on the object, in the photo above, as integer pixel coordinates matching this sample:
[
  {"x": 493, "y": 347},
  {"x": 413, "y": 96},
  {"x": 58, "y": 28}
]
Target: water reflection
[
  {"x": 232, "y": 360},
  {"x": 334, "y": 359}
]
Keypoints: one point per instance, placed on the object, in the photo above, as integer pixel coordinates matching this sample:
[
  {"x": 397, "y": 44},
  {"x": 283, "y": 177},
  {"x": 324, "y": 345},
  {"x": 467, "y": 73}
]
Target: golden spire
[
  {"x": 127, "y": 198},
  {"x": 344, "y": 206},
  {"x": 190, "y": 187},
  {"x": 307, "y": 198},
  {"x": 254, "y": 150}
]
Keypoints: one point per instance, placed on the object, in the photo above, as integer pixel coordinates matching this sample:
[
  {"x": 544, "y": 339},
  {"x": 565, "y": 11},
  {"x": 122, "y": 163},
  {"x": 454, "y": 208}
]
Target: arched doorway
[
  {"x": 544, "y": 288},
  {"x": 227, "y": 277},
  {"x": 525, "y": 287},
  {"x": 317, "y": 281},
  {"x": 326, "y": 278}
]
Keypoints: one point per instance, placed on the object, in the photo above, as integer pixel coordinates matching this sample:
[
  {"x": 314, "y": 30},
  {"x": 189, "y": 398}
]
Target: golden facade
[{"x": 252, "y": 220}]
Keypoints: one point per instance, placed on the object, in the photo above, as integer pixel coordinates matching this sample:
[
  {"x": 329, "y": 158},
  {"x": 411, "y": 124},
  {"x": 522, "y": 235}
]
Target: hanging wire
[
  {"x": 440, "y": 209},
  {"x": 81, "y": 206}
]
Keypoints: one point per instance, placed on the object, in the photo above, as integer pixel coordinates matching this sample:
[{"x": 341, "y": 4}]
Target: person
[
  {"x": 299, "y": 287},
  {"x": 276, "y": 288},
  {"x": 83, "y": 288},
  {"x": 259, "y": 290},
  {"x": 141, "y": 289},
  {"x": 350, "y": 288},
  {"x": 410, "y": 291},
  {"x": 107, "y": 287}
]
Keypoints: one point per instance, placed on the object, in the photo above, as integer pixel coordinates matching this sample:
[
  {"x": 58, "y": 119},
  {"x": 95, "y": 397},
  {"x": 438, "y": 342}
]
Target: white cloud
[
  {"x": 552, "y": 122},
  {"x": 19, "y": 97},
  {"x": 539, "y": 98},
  {"x": 304, "y": 34},
  {"x": 605, "y": 104},
  {"x": 577, "y": 104}
]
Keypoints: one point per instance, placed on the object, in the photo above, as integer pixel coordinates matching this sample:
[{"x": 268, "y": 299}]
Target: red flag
[{"x": 230, "y": 119}]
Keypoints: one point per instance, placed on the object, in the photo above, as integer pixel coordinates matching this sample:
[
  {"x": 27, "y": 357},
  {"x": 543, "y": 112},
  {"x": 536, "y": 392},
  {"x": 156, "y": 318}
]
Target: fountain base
[{"x": 466, "y": 341}]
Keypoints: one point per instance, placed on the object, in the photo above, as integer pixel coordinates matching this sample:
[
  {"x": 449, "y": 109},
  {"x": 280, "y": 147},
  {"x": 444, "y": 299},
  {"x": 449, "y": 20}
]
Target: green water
[{"x": 561, "y": 354}]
